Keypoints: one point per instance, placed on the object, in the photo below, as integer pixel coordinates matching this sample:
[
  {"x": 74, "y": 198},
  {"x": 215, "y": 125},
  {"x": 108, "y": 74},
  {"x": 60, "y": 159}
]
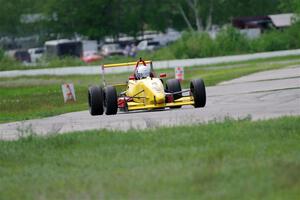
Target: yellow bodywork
[{"x": 149, "y": 94}]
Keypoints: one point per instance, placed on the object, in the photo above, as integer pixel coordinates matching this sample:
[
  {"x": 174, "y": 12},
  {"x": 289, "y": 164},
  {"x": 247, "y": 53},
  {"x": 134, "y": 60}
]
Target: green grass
[
  {"x": 7, "y": 64},
  {"x": 229, "y": 160},
  {"x": 40, "y": 96}
]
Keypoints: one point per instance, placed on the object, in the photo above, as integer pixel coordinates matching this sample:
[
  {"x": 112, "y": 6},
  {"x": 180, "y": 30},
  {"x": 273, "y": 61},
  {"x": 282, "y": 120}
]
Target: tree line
[{"x": 98, "y": 18}]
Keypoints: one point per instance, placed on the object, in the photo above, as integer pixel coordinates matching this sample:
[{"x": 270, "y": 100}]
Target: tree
[
  {"x": 290, "y": 6},
  {"x": 10, "y": 17},
  {"x": 99, "y": 18},
  {"x": 13, "y": 16},
  {"x": 191, "y": 5}
]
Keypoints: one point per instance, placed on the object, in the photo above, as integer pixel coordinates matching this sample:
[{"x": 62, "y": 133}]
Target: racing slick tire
[
  {"x": 95, "y": 100},
  {"x": 173, "y": 85},
  {"x": 110, "y": 100},
  {"x": 198, "y": 91}
]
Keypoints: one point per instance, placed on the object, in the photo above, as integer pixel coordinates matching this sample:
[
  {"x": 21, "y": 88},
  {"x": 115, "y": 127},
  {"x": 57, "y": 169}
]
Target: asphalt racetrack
[{"x": 262, "y": 95}]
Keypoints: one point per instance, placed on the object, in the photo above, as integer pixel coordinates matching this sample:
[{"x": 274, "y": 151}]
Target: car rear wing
[{"x": 127, "y": 64}]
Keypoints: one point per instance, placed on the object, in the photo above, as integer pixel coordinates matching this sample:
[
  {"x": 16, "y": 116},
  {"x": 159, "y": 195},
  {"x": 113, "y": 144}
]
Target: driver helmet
[{"x": 142, "y": 71}]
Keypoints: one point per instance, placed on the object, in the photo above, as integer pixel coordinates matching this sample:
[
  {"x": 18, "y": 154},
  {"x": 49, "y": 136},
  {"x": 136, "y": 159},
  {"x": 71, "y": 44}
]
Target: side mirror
[
  {"x": 131, "y": 77},
  {"x": 163, "y": 75}
]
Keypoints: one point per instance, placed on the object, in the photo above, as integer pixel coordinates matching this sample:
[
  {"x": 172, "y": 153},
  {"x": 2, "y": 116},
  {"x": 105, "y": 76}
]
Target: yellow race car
[{"x": 144, "y": 91}]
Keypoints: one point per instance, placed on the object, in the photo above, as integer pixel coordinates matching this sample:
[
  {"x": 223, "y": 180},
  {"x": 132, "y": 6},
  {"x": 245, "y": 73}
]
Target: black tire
[
  {"x": 173, "y": 85},
  {"x": 198, "y": 91},
  {"x": 95, "y": 100},
  {"x": 110, "y": 100}
]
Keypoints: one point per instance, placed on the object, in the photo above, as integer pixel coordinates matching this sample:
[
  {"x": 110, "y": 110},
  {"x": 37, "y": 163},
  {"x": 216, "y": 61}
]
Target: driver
[{"x": 142, "y": 71}]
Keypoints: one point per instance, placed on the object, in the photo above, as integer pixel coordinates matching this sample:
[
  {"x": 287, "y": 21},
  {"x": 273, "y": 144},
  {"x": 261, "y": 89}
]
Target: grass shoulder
[{"x": 229, "y": 160}]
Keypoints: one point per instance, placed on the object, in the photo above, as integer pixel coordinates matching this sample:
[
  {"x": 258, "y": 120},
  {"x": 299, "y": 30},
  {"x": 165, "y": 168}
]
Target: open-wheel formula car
[{"x": 144, "y": 91}]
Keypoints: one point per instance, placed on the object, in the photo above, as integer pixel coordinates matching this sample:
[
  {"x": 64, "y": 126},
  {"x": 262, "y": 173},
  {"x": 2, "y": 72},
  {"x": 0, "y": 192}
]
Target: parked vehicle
[
  {"x": 166, "y": 38},
  {"x": 21, "y": 55},
  {"x": 111, "y": 50},
  {"x": 91, "y": 56},
  {"x": 148, "y": 45},
  {"x": 36, "y": 54},
  {"x": 89, "y": 45},
  {"x": 64, "y": 47}
]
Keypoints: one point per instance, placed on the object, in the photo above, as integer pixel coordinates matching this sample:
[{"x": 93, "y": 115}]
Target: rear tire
[
  {"x": 198, "y": 91},
  {"x": 110, "y": 100},
  {"x": 95, "y": 100},
  {"x": 173, "y": 85}
]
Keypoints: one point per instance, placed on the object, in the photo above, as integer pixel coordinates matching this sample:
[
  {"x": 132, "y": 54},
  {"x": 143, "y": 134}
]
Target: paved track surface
[{"x": 263, "y": 95}]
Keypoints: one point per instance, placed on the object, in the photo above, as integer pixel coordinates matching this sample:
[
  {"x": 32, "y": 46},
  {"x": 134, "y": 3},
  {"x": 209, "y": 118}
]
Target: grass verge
[
  {"x": 23, "y": 98},
  {"x": 229, "y": 160}
]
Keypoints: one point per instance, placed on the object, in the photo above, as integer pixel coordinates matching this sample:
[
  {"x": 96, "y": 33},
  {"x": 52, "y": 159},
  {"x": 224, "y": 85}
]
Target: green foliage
[
  {"x": 271, "y": 41},
  {"x": 191, "y": 45},
  {"x": 63, "y": 62},
  {"x": 290, "y": 6},
  {"x": 98, "y": 18},
  {"x": 293, "y": 35},
  {"x": 297, "y": 6},
  {"x": 1, "y": 54},
  {"x": 229, "y": 42},
  {"x": 222, "y": 11},
  {"x": 230, "y": 160},
  {"x": 7, "y": 63},
  {"x": 199, "y": 45},
  {"x": 278, "y": 40},
  {"x": 195, "y": 45}
]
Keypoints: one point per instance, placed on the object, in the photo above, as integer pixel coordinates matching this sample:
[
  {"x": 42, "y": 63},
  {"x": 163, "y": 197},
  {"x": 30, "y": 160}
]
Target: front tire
[
  {"x": 110, "y": 100},
  {"x": 173, "y": 85},
  {"x": 198, "y": 91},
  {"x": 95, "y": 100}
]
